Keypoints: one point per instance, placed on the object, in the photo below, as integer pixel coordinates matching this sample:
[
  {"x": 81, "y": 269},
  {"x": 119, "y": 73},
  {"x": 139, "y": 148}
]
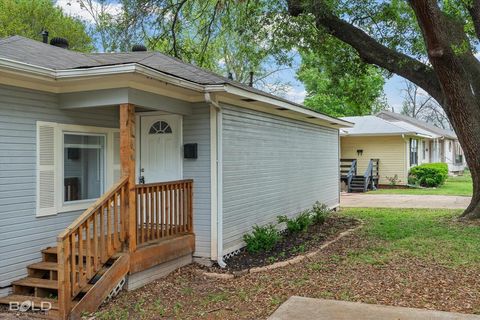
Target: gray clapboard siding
[
  {"x": 196, "y": 129},
  {"x": 273, "y": 166},
  {"x": 22, "y": 234}
]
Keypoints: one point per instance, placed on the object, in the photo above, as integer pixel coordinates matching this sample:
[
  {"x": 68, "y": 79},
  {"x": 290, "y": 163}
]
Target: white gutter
[
  {"x": 22, "y": 68},
  {"x": 219, "y": 183},
  {"x": 287, "y": 105}
]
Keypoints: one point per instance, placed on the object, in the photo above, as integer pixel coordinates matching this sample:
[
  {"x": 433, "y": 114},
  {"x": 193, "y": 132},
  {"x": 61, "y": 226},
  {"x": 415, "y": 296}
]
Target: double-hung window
[
  {"x": 75, "y": 165},
  {"x": 413, "y": 152},
  {"x": 83, "y": 166}
]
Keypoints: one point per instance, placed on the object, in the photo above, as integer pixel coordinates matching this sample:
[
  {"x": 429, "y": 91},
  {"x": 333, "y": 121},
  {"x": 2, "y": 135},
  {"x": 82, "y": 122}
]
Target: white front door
[{"x": 160, "y": 148}]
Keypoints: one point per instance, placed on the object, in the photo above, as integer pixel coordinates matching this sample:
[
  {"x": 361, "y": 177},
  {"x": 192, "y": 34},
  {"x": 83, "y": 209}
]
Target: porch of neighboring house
[
  {"x": 132, "y": 228},
  {"x": 355, "y": 180}
]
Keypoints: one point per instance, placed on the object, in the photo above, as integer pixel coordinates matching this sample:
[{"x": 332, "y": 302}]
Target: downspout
[{"x": 219, "y": 167}]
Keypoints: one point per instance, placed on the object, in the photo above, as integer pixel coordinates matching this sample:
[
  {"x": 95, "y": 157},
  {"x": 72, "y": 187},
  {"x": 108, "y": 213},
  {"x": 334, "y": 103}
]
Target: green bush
[
  {"x": 262, "y": 238},
  {"x": 320, "y": 212},
  {"x": 429, "y": 174},
  {"x": 299, "y": 223}
]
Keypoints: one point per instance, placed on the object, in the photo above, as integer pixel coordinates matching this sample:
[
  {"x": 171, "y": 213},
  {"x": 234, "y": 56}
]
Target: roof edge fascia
[{"x": 23, "y": 68}]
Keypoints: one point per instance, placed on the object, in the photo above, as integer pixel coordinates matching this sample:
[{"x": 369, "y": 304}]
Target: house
[
  {"x": 444, "y": 147},
  {"x": 120, "y": 167},
  {"x": 395, "y": 143}
]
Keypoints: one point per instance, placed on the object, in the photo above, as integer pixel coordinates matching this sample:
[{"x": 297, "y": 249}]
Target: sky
[
  {"x": 296, "y": 92},
  {"x": 393, "y": 88}
]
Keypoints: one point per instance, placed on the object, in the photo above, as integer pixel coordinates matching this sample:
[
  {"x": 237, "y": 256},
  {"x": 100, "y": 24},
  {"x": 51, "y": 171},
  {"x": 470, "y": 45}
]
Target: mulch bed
[{"x": 291, "y": 245}]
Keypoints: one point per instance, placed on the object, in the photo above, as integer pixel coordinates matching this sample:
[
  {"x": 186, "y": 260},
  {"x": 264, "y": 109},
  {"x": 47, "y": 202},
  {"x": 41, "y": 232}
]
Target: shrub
[
  {"x": 320, "y": 211},
  {"x": 393, "y": 181},
  {"x": 297, "y": 224},
  {"x": 429, "y": 174},
  {"x": 262, "y": 238}
]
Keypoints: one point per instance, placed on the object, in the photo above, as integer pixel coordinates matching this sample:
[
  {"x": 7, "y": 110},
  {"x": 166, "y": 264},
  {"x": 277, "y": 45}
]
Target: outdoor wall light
[{"x": 359, "y": 152}]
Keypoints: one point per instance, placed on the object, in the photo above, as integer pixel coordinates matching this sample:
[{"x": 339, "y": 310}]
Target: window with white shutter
[
  {"x": 58, "y": 188},
  {"x": 46, "y": 169}
]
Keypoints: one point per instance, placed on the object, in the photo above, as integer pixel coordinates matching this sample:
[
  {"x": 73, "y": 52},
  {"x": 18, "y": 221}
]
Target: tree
[
  {"x": 395, "y": 34},
  {"x": 338, "y": 83},
  {"x": 212, "y": 34},
  {"x": 419, "y": 105},
  {"x": 114, "y": 26},
  {"x": 29, "y": 18}
]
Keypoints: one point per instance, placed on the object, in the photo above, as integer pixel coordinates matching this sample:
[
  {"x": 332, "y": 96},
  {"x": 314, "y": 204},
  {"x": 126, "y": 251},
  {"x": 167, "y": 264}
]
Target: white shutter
[
  {"x": 116, "y": 157},
  {"x": 47, "y": 192}
]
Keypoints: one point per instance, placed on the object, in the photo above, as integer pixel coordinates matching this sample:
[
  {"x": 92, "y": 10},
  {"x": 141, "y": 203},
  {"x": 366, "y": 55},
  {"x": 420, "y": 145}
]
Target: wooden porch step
[
  {"x": 21, "y": 298},
  {"x": 36, "y": 283},
  {"x": 48, "y": 266},
  {"x": 53, "y": 251},
  {"x": 50, "y": 250}
]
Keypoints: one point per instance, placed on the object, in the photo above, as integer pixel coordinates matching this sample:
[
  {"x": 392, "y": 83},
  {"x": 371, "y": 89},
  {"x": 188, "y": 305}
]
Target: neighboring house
[
  {"x": 399, "y": 143},
  {"x": 444, "y": 147},
  {"x": 171, "y": 160}
]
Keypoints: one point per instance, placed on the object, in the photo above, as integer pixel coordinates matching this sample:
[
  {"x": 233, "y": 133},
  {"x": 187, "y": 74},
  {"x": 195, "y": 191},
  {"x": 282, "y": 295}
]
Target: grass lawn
[
  {"x": 404, "y": 257},
  {"x": 454, "y": 186}
]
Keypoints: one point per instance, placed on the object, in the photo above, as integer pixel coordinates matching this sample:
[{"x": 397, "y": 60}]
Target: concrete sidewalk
[
  {"x": 299, "y": 308},
  {"x": 366, "y": 200}
]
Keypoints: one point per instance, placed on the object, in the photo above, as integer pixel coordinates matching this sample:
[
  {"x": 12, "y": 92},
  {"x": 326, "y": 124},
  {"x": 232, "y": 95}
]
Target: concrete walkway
[
  {"x": 299, "y": 308},
  {"x": 366, "y": 200}
]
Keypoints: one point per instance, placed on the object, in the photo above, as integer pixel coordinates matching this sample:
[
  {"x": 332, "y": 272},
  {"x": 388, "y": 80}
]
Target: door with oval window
[{"x": 160, "y": 148}]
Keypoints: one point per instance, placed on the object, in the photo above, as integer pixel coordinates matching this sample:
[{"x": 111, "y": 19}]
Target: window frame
[
  {"x": 60, "y": 129},
  {"x": 412, "y": 153},
  {"x": 66, "y": 204}
]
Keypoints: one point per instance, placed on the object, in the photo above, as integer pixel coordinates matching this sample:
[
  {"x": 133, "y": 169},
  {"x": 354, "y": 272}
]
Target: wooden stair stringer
[{"x": 102, "y": 288}]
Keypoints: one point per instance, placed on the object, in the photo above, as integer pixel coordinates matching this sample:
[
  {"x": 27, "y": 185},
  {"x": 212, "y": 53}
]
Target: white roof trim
[
  {"x": 345, "y": 134},
  {"x": 283, "y": 104},
  {"x": 37, "y": 71}
]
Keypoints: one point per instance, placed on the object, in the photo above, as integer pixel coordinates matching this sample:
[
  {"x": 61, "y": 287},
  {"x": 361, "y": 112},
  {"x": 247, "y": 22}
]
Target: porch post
[{"x": 127, "y": 161}]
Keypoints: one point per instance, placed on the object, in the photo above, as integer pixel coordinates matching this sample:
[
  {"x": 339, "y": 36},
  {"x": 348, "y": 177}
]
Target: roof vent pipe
[
  {"x": 59, "y": 42},
  {"x": 44, "y": 36},
  {"x": 250, "y": 83},
  {"x": 138, "y": 48}
]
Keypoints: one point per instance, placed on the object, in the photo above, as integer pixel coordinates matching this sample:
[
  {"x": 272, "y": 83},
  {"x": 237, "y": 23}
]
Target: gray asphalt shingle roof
[
  {"x": 373, "y": 125},
  {"x": 393, "y": 116},
  {"x": 44, "y": 55},
  {"x": 40, "y": 54}
]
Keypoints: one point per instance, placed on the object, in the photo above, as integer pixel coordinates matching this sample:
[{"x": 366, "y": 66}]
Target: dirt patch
[{"x": 291, "y": 245}]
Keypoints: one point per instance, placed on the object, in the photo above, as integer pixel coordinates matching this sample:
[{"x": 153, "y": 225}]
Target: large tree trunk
[
  {"x": 453, "y": 79},
  {"x": 456, "y": 73}
]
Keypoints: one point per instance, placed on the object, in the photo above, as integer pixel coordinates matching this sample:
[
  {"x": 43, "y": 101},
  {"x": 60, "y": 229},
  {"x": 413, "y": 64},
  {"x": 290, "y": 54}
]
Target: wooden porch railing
[
  {"x": 93, "y": 238},
  {"x": 164, "y": 209}
]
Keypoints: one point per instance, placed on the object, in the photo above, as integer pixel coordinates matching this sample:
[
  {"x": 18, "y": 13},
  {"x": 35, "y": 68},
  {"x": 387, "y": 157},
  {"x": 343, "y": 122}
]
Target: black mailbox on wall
[{"x": 190, "y": 151}]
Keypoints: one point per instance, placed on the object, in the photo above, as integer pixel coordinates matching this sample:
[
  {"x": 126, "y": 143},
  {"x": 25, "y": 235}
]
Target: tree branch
[
  {"x": 369, "y": 49},
  {"x": 173, "y": 32}
]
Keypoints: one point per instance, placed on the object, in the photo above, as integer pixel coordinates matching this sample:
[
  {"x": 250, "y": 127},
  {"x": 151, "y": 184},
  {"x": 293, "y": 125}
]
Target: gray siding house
[{"x": 249, "y": 155}]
